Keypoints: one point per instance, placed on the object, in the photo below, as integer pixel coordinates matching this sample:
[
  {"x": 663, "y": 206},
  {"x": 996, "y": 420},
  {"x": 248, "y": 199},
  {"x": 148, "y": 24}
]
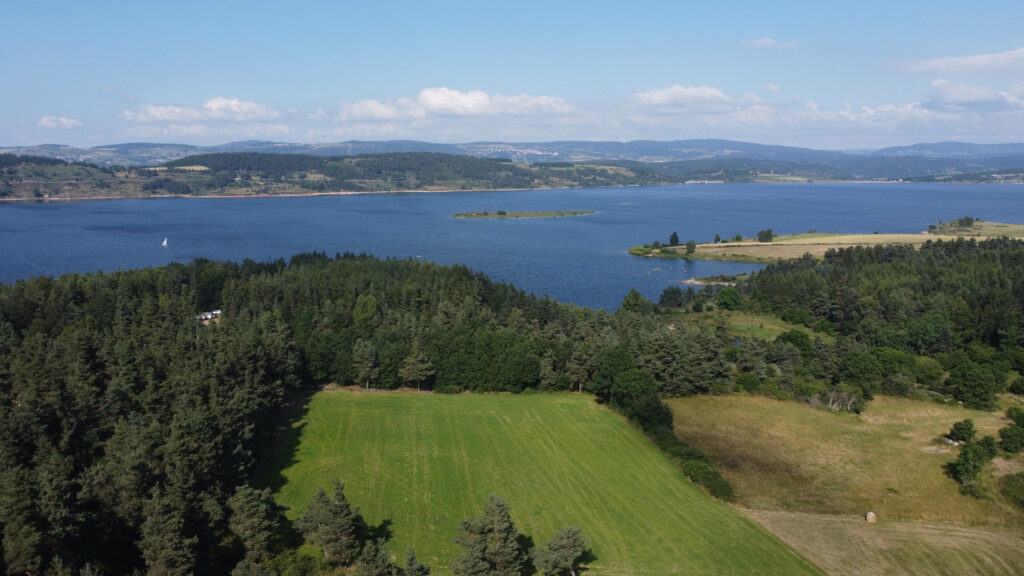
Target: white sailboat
[{"x": 164, "y": 243}]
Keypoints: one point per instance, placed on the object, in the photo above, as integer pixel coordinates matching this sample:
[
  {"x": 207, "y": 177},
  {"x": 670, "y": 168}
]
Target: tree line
[
  {"x": 949, "y": 316},
  {"x": 128, "y": 424}
]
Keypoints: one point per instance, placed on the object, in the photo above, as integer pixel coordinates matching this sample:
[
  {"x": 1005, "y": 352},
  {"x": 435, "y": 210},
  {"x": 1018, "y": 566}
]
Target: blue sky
[{"x": 837, "y": 75}]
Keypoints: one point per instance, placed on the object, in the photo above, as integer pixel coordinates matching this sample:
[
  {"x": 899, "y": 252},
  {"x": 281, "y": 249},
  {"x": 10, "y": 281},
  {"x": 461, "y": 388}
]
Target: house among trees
[{"x": 207, "y": 317}]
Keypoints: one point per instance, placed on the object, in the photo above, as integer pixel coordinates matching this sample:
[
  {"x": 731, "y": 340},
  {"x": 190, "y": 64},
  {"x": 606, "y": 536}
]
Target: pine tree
[
  {"x": 471, "y": 562},
  {"x": 503, "y": 550},
  {"x": 417, "y": 368},
  {"x": 164, "y": 545},
  {"x": 365, "y": 359},
  {"x": 254, "y": 519},
  {"x": 375, "y": 560},
  {"x": 490, "y": 543},
  {"x": 332, "y": 524},
  {"x": 413, "y": 566},
  {"x": 561, "y": 553}
]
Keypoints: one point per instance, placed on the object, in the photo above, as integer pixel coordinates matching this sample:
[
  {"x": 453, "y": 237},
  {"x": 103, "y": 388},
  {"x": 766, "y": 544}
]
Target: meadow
[
  {"x": 418, "y": 464},
  {"x": 810, "y": 475}
]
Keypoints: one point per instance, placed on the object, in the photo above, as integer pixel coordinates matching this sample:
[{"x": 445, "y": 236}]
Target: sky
[{"x": 820, "y": 74}]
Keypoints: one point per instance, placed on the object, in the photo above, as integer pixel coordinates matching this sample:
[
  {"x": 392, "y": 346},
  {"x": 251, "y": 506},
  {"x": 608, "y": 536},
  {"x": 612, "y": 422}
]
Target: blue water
[{"x": 582, "y": 260}]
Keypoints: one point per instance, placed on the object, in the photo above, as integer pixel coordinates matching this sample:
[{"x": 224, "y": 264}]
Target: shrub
[
  {"x": 1012, "y": 486},
  {"x": 675, "y": 448},
  {"x": 703, "y": 474},
  {"x": 448, "y": 389},
  {"x": 962, "y": 431},
  {"x": 972, "y": 459},
  {"x": 765, "y": 235},
  {"x": 1016, "y": 415},
  {"x": 1012, "y": 438},
  {"x": 928, "y": 371},
  {"x": 1017, "y": 386},
  {"x": 747, "y": 381},
  {"x": 728, "y": 298}
]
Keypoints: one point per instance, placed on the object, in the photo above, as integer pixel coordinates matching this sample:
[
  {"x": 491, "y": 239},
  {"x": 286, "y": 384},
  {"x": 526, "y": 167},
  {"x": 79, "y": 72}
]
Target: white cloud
[
  {"x": 955, "y": 96},
  {"x": 767, "y": 43},
  {"x": 444, "y": 101},
  {"x": 58, "y": 122},
  {"x": 682, "y": 96},
  {"x": 771, "y": 87},
  {"x": 200, "y": 131},
  {"x": 994, "y": 62},
  {"x": 218, "y": 109}
]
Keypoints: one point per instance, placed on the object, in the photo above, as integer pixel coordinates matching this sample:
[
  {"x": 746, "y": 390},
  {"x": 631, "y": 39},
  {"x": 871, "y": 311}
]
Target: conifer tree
[
  {"x": 417, "y": 368},
  {"x": 490, "y": 543},
  {"x": 164, "y": 545},
  {"x": 413, "y": 567},
  {"x": 375, "y": 560},
  {"x": 561, "y": 554},
  {"x": 333, "y": 524},
  {"x": 364, "y": 356},
  {"x": 254, "y": 519}
]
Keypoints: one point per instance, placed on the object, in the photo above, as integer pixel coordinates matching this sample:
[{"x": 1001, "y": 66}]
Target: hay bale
[{"x": 871, "y": 518}]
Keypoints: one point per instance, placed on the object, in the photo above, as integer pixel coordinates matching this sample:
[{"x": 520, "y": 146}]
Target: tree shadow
[
  {"x": 280, "y": 452},
  {"x": 526, "y": 544},
  {"x": 587, "y": 557},
  {"x": 381, "y": 531}
]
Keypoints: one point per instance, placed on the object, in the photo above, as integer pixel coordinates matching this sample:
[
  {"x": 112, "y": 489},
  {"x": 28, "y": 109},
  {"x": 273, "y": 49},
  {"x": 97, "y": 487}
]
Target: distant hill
[
  {"x": 260, "y": 173},
  {"x": 954, "y": 150},
  {"x": 681, "y": 160}
]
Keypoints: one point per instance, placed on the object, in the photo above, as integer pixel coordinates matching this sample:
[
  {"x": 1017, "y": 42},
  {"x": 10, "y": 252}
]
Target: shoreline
[{"x": 301, "y": 194}]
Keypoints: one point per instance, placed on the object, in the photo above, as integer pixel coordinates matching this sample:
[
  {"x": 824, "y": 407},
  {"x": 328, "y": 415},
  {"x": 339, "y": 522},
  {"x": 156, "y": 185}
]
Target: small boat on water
[{"x": 164, "y": 243}]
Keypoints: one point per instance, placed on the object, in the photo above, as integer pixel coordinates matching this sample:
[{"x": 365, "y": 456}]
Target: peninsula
[{"x": 768, "y": 248}]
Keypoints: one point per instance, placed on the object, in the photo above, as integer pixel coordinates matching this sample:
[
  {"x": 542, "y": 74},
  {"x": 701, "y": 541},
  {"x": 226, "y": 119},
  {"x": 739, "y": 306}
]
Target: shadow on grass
[
  {"x": 381, "y": 531},
  {"x": 279, "y": 454},
  {"x": 526, "y": 543},
  {"x": 587, "y": 557}
]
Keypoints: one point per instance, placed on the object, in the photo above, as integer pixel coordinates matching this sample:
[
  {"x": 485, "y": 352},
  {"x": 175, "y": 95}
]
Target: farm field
[
  {"x": 810, "y": 475},
  {"x": 848, "y": 546},
  {"x": 420, "y": 463},
  {"x": 817, "y": 244}
]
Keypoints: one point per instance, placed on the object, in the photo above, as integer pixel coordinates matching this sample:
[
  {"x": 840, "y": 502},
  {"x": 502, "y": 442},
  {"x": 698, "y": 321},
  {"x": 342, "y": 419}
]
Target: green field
[
  {"x": 420, "y": 463},
  {"x": 747, "y": 325}
]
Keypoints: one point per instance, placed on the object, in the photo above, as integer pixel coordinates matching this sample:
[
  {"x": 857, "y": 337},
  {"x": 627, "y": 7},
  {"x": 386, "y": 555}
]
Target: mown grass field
[
  {"x": 796, "y": 246},
  {"x": 810, "y": 475},
  {"x": 420, "y": 463},
  {"x": 749, "y": 325},
  {"x": 848, "y": 546}
]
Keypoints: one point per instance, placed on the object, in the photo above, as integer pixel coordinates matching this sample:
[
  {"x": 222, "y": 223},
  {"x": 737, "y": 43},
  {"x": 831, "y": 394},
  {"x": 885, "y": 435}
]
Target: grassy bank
[
  {"x": 420, "y": 463},
  {"x": 810, "y": 475},
  {"x": 789, "y": 456}
]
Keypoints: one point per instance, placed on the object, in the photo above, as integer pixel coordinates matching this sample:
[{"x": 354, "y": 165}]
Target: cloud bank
[
  {"x": 58, "y": 122},
  {"x": 995, "y": 62}
]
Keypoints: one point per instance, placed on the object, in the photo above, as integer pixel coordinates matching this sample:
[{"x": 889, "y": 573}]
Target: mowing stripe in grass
[{"x": 424, "y": 462}]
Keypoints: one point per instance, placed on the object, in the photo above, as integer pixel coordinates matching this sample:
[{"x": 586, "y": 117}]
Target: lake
[{"x": 580, "y": 259}]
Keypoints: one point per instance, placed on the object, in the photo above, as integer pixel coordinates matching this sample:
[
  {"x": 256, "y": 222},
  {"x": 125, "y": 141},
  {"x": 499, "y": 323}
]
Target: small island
[
  {"x": 768, "y": 247},
  {"x": 499, "y": 214}
]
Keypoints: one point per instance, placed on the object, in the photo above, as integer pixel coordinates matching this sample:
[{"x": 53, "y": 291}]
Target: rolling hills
[{"x": 677, "y": 160}]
